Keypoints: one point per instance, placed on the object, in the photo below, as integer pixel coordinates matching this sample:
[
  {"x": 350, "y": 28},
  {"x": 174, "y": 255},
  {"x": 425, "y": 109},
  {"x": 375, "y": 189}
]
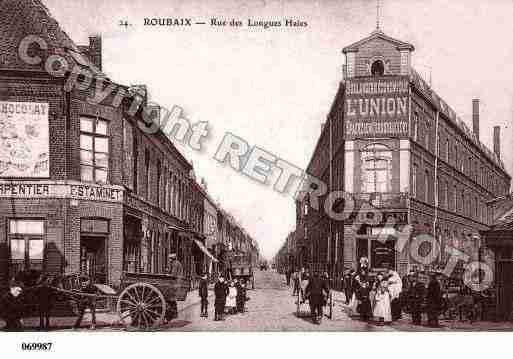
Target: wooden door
[{"x": 505, "y": 289}]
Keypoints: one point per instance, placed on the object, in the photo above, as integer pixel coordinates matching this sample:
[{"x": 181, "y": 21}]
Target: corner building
[
  {"x": 404, "y": 157},
  {"x": 83, "y": 189}
]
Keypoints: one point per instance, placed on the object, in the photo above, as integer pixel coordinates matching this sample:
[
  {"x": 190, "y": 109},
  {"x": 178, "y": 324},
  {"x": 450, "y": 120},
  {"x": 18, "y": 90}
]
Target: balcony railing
[{"x": 381, "y": 200}]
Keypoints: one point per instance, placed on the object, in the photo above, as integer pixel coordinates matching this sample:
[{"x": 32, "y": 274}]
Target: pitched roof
[
  {"x": 378, "y": 34},
  {"x": 449, "y": 113},
  {"x": 15, "y": 27}
]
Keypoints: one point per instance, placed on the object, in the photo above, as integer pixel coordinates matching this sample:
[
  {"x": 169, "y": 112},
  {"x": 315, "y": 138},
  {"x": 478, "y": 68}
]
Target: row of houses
[{"x": 85, "y": 186}]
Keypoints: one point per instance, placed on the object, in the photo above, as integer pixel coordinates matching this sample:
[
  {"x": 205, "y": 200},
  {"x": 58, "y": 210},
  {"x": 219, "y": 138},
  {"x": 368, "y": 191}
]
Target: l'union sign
[{"x": 376, "y": 107}]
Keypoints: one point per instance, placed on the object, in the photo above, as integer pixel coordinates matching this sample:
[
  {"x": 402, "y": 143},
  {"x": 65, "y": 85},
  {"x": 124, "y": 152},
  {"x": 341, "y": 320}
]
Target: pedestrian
[
  {"x": 288, "y": 274},
  {"x": 316, "y": 291},
  {"x": 364, "y": 306},
  {"x": 374, "y": 289},
  {"x": 220, "y": 293},
  {"x": 231, "y": 299},
  {"x": 241, "y": 297},
  {"x": 11, "y": 307},
  {"x": 295, "y": 283},
  {"x": 46, "y": 298},
  {"x": 395, "y": 286},
  {"x": 303, "y": 284},
  {"x": 416, "y": 296},
  {"x": 175, "y": 266},
  {"x": 348, "y": 285},
  {"x": 382, "y": 310},
  {"x": 87, "y": 301},
  {"x": 433, "y": 301},
  {"x": 203, "y": 294}
]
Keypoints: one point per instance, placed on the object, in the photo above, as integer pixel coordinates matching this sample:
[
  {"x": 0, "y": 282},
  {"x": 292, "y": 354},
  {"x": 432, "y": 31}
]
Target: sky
[{"x": 274, "y": 87}]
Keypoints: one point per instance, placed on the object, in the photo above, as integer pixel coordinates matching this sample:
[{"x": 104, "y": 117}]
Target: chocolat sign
[
  {"x": 24, "y": 139},
  {"x": 376, "y": 107}
]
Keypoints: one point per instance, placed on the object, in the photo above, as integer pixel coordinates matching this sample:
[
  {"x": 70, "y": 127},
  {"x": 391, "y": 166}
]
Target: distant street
[{"x": 271, "y": 308}]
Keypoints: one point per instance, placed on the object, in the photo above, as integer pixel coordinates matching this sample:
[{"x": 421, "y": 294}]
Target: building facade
[
  {"x": 84, "y": 186},
  {"x": 408, "y": 165}
]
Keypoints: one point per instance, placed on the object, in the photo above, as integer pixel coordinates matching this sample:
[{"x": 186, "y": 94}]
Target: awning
[{"x": 205, "y": 250}]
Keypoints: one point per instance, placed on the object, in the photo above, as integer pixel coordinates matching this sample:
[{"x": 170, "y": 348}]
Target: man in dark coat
[
  {"x": 46, "y": 298},
  {"x": 241, "y": 296},
  {"x": 348, "y": 285},
  {"x": 87, "y": 301},
  {"x": 363, "y": 295},
  {"x": 11, "y": 307},
  {"x": 316, "y": 291},
  {"x": 203, "y": 294},
  {"x": 288, "y": 274},
  {"x": 416, "y": 295},
  {"x": 220, "y": 292},
  {"x": 433, "y": 301}
]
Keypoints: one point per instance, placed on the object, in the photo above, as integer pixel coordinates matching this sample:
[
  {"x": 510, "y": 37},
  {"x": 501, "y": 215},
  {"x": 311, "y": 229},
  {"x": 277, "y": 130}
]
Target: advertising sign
[
  {"x": 24, "y": 139},
  {"x": 376, "y": 107}
]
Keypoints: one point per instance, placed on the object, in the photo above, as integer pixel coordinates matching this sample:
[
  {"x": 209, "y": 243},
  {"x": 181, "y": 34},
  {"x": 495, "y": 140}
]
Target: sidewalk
[{"x": 108, "y": 320}]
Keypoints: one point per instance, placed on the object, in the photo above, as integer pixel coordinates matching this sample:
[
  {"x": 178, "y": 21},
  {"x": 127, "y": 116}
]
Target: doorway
[
  {"x": 505, "y": 289},
  {"x": 93, "y": 258}
]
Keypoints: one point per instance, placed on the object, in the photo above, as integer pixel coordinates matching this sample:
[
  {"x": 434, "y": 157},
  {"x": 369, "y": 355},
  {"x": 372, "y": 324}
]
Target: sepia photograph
[{"x": 254, "y": 166}]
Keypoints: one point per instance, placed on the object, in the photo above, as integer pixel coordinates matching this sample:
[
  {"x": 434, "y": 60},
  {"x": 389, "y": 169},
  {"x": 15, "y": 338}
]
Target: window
[
  {"x": 455, "y": 156},
  {"x": 159, "y": 174},
  {"x": 377, "y": 169},
  {"x": 426, "y": 186},
  {"x": 94, "y": 150},
  {"x": 26, "y": 245},
  {"x": 446, "y": 195},
  {"x": 415, "y": 125},
  {"x": 426, "y": 136},
  {"x": 377, "y": 68},
  {"x": 136, "y": 162},
  {"x": 147, "y": 170},
  {"x": 414, "y": 182},
  {"x": 455, "y": 199},
  {"x": 447, "y": 150}
]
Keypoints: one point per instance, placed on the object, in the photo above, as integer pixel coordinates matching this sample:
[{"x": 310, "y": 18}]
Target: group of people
[
  {"x": 230, "y": 297},
  {"x": 384, "y": 296}
]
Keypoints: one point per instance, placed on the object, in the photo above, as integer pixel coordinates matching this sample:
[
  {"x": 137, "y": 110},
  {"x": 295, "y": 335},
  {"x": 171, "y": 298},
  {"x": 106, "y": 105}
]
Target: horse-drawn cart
[{"x": 143, "y": 301}]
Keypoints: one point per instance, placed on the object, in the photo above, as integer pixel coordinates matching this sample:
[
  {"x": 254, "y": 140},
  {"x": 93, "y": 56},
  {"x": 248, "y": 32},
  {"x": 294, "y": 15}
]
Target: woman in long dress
[
  {"x": 231, "y": 298},
  {"x": 382, "y": 309}
]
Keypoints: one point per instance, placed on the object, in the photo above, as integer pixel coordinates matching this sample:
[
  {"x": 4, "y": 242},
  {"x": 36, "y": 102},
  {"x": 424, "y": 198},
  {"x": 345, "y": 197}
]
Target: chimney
[
  {"x": 475, "y": 116},
  {"x": 95, "y": 50},
  {"x": 497, "y": 140}
]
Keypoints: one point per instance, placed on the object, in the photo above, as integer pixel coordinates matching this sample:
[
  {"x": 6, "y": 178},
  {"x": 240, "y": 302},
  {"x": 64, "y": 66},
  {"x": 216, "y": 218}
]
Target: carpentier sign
[{"x": 376, "y": 107}]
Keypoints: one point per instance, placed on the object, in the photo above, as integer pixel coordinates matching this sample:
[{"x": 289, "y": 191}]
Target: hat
[{"x": 172, "y": 255}]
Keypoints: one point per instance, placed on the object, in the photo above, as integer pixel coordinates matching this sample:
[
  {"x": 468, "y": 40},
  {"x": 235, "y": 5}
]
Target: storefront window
[
  {"x": 26, "y": 245},
  {"x": 94, "y": 150},
  {"x": 376, "y": 169}
]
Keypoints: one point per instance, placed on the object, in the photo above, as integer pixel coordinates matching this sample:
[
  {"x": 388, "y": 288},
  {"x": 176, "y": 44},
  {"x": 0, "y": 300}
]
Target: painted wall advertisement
[
  {"x": 24, "y": 148},
  {"x": 376, "y": 107}
]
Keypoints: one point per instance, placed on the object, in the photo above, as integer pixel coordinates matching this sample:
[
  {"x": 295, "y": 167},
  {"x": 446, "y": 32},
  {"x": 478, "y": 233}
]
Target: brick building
[
  {"x": 82, "y": 187},
  {"x": 404, "y": 158}
]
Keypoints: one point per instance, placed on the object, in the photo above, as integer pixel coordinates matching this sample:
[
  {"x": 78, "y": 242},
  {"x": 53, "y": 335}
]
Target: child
[
  {"x": 382, "y": 310},
  {"x": 231, "y": 299},
  {"x": 241, "y": 297}
]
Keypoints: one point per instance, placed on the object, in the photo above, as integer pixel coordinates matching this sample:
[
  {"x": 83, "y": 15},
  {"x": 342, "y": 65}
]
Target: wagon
[
  {"x": 241, "y": 269},
  {"x": 144, "y": 300}
]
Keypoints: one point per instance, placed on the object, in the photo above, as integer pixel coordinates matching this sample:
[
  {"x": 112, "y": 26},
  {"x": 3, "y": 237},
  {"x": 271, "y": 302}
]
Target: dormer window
[{"x": 378, "y": 68}]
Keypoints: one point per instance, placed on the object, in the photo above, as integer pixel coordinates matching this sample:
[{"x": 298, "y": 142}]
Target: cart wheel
[{"x": 141, "y": 306}]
